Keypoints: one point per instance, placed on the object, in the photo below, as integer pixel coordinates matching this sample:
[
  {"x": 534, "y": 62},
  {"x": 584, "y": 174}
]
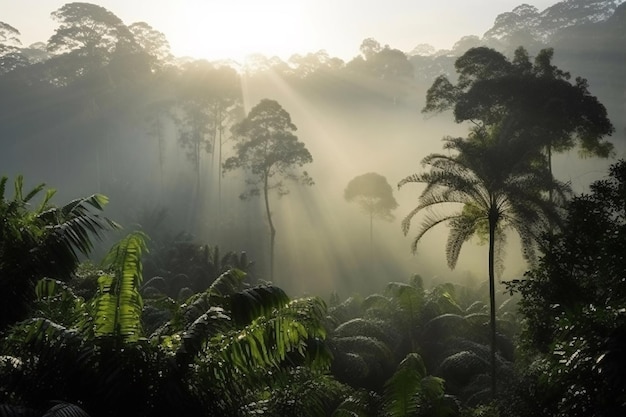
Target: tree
[
  {"x": 497, "y": 186},
  {"x": 153, "y": 43},
  {"x": 194, "y": 122},
  {"x": 536, "y": 98},
  {"x": 11, "y": 56},
  {"x": 374, "y": 195},
  {"x": 573, "y": 307},
  {"x": 269, "y": 151},
  {"x": 87, "y": 37},
  {"x": 207, "y": 95}
]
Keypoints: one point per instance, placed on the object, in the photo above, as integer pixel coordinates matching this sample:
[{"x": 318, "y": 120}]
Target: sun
[{"x": 236, "y": 29}]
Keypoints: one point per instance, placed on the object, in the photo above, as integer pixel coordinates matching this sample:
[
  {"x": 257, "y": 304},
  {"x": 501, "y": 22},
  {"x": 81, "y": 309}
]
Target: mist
[{"x": 84, "y": 134}]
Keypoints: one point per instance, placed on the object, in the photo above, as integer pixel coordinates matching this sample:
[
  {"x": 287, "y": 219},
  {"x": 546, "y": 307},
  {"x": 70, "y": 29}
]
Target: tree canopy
[
  {"x": 374, "y": 195},
  {"x": 536, "y": 98}
]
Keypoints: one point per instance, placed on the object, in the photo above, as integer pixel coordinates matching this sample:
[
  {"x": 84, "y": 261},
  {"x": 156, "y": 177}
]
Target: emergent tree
[
  {"x": 269, "y": 151},
  {"x": 537, "y": 97}
]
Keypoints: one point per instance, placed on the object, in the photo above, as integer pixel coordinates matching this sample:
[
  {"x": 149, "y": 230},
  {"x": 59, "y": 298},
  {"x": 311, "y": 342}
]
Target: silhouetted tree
[
  {"x": 194, "y": 121},
  {"x": 153, "y": 43},
  {"x": 269, "y": 152},
  {"x": 11, "y": 56},
  {"x": 374, "y": 195},
  {"x": 536, "y": 99},
  {"x": 87, "y": 38}
]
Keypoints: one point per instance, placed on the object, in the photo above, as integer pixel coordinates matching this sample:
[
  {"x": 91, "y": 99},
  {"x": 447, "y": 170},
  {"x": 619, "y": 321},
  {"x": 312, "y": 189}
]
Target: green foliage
[
  {"x": 118, "y": 303},
  {"x": 494, "y": 180},
  {"x": 573, "y": 307},
  {"x": 42, "y": 241},
  {"x": 402, "y": 389},
  {"x": 268, "y": 149},
  {"x": 299, "y": 392}
]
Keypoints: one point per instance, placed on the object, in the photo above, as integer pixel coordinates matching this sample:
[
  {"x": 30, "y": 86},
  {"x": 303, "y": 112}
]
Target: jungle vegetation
[{"x": 152, "y": 298}]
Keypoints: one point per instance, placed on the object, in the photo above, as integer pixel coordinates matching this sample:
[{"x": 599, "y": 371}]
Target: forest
[{"x": 425, "y": 233}]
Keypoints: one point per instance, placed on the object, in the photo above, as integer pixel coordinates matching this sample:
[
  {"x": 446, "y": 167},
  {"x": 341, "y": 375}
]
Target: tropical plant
[
  {"x": 221, "y": 350},
  {"x": 42, "y": 241},
  {"x": 492, "y": 179},
  {"x": 409, "y": 391},
  {"x": 573, "y": 308}
]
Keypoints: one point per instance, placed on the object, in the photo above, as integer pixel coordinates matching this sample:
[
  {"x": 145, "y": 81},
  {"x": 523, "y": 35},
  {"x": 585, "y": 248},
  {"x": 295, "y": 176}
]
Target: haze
[
  {"x": 234, "y": 29},
  {"x": 351, "y": 122}
]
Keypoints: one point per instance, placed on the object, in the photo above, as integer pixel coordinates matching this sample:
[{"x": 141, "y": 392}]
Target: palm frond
[
  {"x": 406, "y": 297},
  {"x": 251, "y": 303},
  {"x": 363, "y": 327},
  {"x": 376, "y": 303},
  {"x": 198, "y": 334},
  {"x": 403, "y": 388},
  {"x": 462, "y": 228},
  {"x": 63, "y": 409},
  {"x": 430, "y": 220},
  {"x": 267, "y": 340},
  {"x": 228, "y": 283}
]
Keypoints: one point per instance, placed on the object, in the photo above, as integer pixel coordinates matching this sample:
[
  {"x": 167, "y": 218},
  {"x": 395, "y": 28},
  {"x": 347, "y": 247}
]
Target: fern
[
  {"x": 119, "y": 304},
  {"x": 403, "y": 388}
]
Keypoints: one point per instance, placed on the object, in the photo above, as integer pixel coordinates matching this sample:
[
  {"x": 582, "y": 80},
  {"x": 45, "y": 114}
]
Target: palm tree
[{"x": 498, "y": 186}]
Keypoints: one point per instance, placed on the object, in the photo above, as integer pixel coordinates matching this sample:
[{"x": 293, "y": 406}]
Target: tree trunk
[
  {"x": 493, "y": 220},
  {"x": 271, "y": 225},
  {"x": 371, "y": 235}
]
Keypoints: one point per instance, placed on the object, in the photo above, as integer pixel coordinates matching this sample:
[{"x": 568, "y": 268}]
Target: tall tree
[
  {"x": 269, "y": 151},
  {"x": 374, "y": 195},
  {"x": 205, "y": 94},
  {"x": 225, "y": 109},
  {"x": 153, "y": 43},
  {"x": 10, "y": 55},
  {"x": 492, "y": 179},
  {"x": 537, "y": 97},
  {"x": 87, "y": 37}
]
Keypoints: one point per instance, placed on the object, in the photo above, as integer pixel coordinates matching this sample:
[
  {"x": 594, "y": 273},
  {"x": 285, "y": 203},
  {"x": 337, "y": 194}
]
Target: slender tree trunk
[
  {"x": 161, "y": 143},
  {"x": 371, "y": 235},
  {"x": 271, "y": 224},
  {"x": 219, "y": 179},
  {"x": 550, "y": 170},
  {"x": 493, "y": 220}
]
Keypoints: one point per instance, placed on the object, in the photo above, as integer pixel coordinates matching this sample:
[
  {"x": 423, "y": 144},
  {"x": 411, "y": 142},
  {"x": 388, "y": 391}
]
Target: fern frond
[{"x": 403, "y": 388}]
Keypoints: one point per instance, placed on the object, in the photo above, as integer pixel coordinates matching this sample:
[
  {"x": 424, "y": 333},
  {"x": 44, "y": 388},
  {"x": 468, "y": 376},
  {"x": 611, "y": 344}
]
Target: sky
[{"x": 223, "y": 29}]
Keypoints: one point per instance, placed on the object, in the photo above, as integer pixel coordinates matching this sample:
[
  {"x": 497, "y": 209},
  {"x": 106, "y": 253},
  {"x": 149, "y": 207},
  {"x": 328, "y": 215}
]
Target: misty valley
[{"x": 433, "y": 233}]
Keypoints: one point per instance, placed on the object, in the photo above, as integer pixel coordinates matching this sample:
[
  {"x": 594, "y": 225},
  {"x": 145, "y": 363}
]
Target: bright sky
[{"x": 217, "y": 29}]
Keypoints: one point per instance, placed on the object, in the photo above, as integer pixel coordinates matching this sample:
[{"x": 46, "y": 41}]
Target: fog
[{"x": 351, "y": 122}]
